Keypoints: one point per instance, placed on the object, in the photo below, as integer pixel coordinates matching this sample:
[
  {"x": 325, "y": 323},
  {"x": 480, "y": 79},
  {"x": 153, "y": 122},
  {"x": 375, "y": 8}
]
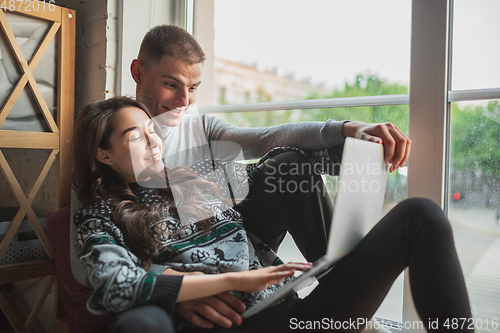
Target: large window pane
[
  {"x": 474, "y": 203},
  {"x": 476, "y": 33},
  {"x": 294, "y": 49}
]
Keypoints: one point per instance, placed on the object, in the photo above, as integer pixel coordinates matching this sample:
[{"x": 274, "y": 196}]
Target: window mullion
[{"x": 428, "y": 110}]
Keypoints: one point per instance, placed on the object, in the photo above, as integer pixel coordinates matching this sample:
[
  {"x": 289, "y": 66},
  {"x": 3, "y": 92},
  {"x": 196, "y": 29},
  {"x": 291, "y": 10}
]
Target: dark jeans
[
  {"x": 144, "y": 319},
  {"x": 415, "y": 234}
]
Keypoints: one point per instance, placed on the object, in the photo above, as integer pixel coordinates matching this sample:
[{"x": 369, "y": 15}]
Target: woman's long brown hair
[{"x": 93, "y": 181}]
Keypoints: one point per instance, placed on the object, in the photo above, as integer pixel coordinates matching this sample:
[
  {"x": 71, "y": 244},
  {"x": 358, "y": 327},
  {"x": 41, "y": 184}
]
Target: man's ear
[
  {"x": 103, "y": 156},
  {"x": 136, "y": 70}
]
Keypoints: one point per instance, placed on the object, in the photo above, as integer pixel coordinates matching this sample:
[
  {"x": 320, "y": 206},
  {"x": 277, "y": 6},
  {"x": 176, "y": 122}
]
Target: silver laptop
[{"x": 358, "y": 207}]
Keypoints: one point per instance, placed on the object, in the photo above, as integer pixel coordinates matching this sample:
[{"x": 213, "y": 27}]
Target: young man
[{"x": 168, "y": 71}]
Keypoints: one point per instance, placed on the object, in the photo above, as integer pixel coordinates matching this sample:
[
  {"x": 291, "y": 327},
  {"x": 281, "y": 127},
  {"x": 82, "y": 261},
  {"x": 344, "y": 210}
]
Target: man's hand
[
  {"x": 396, "y": 144},
  {"x": 223, "y": 309}
]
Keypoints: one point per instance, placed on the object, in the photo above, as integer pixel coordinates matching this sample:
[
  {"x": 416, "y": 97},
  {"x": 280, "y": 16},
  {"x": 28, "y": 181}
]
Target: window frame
[{"x": 429, "y": 102}]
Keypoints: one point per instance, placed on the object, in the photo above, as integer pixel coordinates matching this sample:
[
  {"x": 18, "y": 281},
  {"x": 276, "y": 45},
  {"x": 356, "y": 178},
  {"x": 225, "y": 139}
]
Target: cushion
[{"x": 73, "y": 294}]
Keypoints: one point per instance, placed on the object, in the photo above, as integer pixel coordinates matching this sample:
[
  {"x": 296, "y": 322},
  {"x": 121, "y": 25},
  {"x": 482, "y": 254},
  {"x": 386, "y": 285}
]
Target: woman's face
[{"x": 135, "y": 152}]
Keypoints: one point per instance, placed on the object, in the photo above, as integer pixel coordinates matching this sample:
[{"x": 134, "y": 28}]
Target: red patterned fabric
[{"x": 74, "y": 294}]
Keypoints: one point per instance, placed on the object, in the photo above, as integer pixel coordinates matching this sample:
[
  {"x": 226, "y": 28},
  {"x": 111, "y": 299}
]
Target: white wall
[{"x": 91, "y": 43}]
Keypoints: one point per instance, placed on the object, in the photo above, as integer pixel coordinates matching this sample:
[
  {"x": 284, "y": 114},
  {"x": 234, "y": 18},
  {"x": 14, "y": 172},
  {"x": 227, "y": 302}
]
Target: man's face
[{"x": 168, "y": 87}]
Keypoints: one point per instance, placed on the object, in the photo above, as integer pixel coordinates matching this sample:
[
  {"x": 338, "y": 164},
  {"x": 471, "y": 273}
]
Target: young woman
[{"x": 142, "y": 259}]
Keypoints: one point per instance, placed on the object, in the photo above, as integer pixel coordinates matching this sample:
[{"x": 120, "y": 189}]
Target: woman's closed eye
[{"x": 135, "y": 136}]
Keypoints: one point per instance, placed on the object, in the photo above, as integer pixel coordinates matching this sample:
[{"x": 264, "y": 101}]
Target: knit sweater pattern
[{"x": 116, "y": 275}]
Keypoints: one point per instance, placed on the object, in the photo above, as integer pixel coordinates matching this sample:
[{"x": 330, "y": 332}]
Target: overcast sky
[{"x": 331, "y": 41}]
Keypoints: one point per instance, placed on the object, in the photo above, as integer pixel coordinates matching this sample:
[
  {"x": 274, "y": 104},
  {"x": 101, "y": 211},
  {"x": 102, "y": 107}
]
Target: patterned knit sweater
[{"x": 115, "y": 273}]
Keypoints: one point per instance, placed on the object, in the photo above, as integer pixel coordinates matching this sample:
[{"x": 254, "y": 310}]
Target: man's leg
[
  {"x": 289, "y": 196},
  {"x": 415, "y": 234},
  {"x": 145, "y": 319}
]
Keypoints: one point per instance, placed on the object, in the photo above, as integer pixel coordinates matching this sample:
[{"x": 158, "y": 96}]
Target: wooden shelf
[{"x": 62, "y": 23}]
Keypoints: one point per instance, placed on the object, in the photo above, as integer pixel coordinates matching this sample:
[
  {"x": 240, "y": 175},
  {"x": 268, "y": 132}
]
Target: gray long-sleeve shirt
[{"x": 189, "y": 142}]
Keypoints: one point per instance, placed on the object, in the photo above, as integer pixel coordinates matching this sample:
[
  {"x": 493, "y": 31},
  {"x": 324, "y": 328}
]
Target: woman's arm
[
  {"x": 202, "y": 285},
  {"x": 113, "y": 272},
  {"x": 257, "y": 141}
]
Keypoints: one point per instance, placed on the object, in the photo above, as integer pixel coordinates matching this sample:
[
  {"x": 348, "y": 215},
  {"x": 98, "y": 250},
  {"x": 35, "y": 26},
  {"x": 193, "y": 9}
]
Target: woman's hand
[
  {"x": 195, "y": 286},
  {"x": 260, "y": 279},
  {"x": 224, "y": 309}
]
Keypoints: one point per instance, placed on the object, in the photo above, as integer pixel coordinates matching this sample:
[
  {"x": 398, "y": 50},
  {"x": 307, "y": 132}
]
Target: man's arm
[
  {"x": 311, "y": 136},
  {"x": 255, "y": 142}
]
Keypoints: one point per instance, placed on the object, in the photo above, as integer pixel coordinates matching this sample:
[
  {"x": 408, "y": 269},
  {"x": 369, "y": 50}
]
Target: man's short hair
[{"x": 169, "y": 40}]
